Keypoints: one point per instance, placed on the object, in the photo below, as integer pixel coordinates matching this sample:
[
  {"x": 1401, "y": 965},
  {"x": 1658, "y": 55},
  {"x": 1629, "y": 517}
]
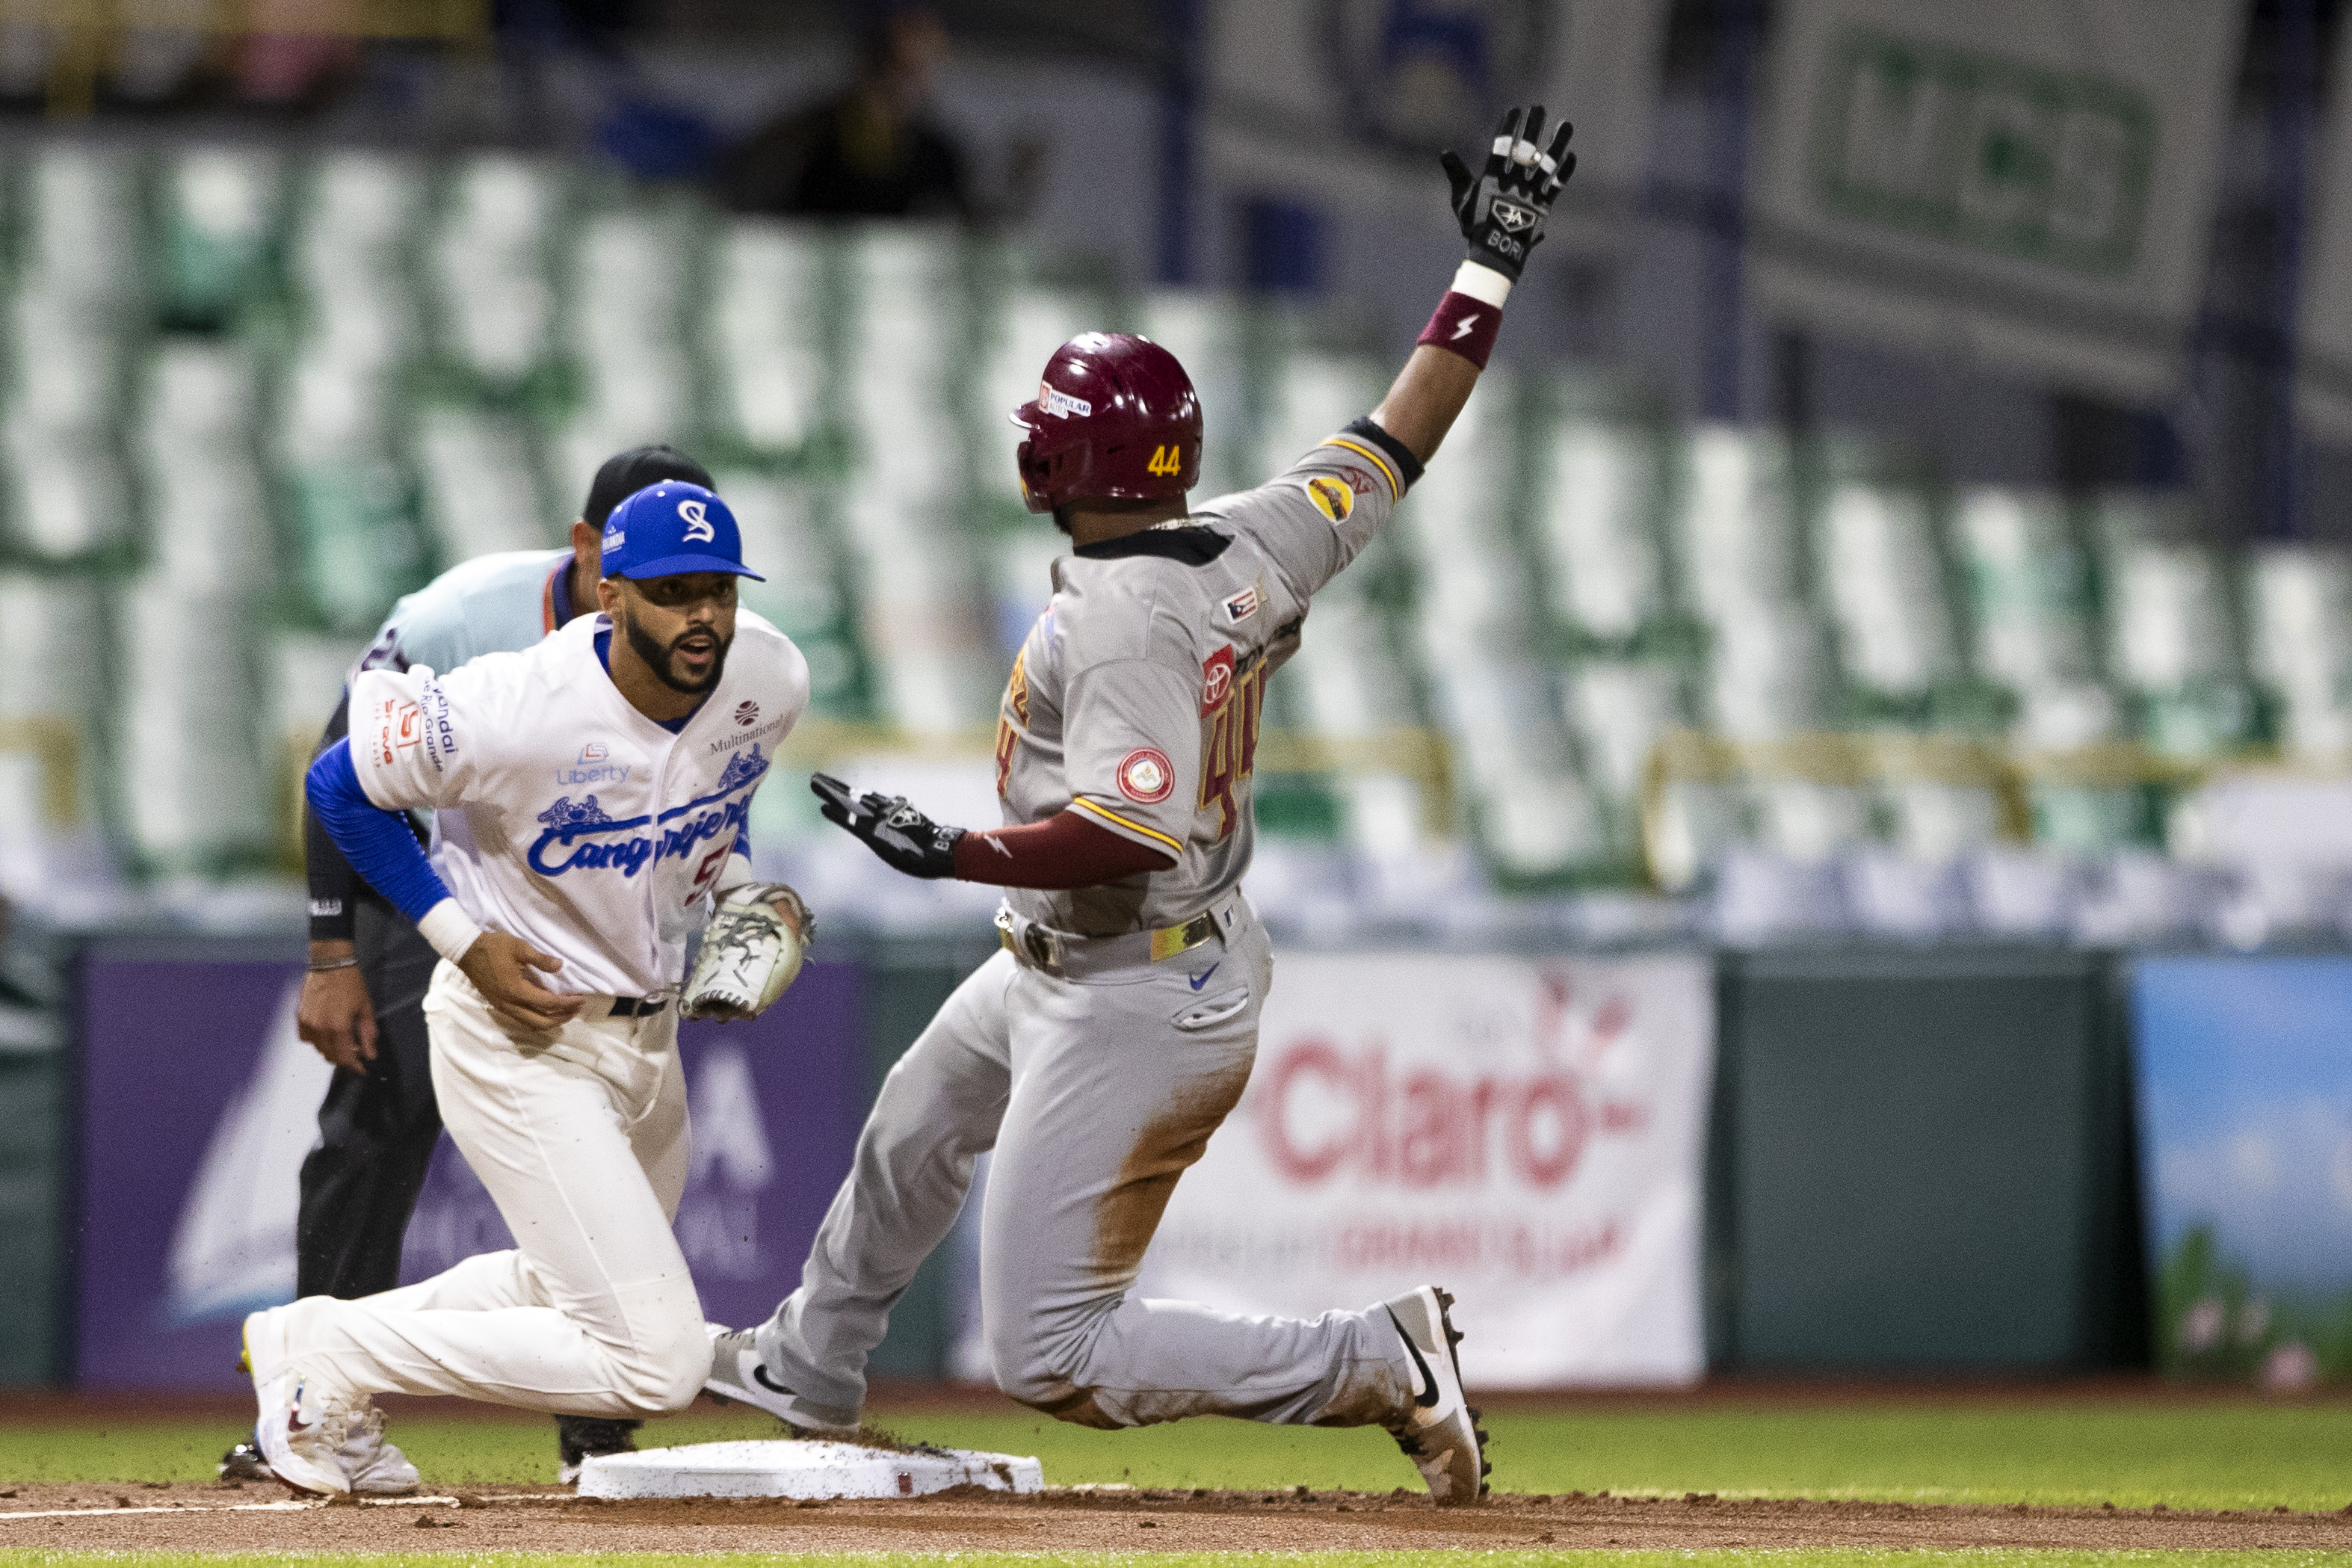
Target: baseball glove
[{"x": 748, "y": 953}]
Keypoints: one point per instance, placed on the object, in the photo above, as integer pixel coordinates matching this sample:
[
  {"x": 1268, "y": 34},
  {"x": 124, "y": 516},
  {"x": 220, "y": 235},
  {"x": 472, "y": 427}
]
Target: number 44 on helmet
[{"x": 1115, "y": 419}]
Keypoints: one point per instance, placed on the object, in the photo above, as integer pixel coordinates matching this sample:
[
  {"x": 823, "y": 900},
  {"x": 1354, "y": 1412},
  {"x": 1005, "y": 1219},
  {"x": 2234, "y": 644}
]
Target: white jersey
[{"x": 566, "y": 817}]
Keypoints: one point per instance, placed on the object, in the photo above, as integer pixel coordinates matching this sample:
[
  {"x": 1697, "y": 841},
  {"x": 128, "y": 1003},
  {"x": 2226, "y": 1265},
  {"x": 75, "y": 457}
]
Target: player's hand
[
  {"x": 1501, "y": 208},
  {"x": 335, "y": 1017},
  {"x": 903, "y": 836},
  {"x": 501, "y": 966}
]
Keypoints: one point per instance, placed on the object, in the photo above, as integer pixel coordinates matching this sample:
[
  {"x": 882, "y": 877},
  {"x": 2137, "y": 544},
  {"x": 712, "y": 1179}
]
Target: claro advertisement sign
[{"x": 1527, "y": 1134}]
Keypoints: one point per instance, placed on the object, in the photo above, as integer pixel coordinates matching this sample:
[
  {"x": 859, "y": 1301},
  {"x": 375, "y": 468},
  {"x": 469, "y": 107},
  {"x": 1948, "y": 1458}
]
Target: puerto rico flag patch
[
  {"x": 1146, "y": 776},
  {"x": 1243, "y": 605}
]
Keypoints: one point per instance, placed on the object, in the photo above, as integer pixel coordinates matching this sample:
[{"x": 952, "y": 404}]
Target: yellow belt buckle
[
  {"x": 1169, "y": 941},
  {"x": 1004, "y": 932}
]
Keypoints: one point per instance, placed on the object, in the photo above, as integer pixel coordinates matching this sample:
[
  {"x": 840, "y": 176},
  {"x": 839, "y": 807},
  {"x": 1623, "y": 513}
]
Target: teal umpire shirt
[{"x": 492, "y": 604}]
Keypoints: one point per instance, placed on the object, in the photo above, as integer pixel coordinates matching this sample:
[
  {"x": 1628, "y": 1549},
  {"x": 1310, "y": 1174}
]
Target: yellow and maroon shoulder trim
[
  {"x": 1154, "y": 834},
  {"x": 1391, "y": 456}
]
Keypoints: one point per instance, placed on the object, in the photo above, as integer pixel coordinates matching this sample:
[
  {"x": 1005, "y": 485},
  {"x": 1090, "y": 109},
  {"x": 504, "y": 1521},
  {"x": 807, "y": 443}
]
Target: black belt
[{"x": 638, "y": 1006}]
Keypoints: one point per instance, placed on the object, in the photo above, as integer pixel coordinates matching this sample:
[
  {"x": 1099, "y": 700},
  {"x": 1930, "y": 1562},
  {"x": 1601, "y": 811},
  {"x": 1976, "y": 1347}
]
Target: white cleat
[
  {"x": 737, "y": 1372},
  {"x": 1440, "y": 1434},
  {"x": 302, "y": 1427},
  {"x": 376, "y": 1468}
]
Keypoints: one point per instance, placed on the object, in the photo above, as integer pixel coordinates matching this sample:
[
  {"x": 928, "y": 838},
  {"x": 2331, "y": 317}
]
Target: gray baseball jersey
[{"x": 1137, "y": 696}]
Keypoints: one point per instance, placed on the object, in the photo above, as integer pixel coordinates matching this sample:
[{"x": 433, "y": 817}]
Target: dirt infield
[{"x": 213, "y": 1518}]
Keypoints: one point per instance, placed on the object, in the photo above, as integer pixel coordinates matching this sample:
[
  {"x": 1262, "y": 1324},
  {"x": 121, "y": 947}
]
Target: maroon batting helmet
[{"x": 1115, "y": 419}]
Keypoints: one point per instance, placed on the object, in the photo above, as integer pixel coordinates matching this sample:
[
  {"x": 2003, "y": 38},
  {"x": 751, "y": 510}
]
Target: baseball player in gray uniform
[
  {"x": 363, "y": 1001},
  {"x": 1100, "y": 1048}
]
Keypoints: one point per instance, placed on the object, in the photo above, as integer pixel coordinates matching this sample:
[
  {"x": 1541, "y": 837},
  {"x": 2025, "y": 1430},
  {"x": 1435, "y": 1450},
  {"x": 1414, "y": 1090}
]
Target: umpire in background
[{"x": 362, "y": 1004}]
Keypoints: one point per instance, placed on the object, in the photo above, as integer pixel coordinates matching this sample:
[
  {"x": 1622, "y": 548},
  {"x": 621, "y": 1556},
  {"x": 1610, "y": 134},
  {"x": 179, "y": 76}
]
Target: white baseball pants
[{"x": 580, "y": 1138}]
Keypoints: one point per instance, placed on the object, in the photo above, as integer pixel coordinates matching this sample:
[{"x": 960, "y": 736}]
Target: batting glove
[
  {"x": 1502, "y": 209},
  {"x": 907, "y": 839}
]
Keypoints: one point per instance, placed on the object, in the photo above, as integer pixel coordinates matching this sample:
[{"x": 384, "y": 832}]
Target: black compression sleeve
[
  {"x": 1396, "y": 451},
  {"x": 334, "y": 886}
]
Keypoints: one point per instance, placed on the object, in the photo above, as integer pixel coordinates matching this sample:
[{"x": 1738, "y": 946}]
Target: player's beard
[{"x": 657, "y": 654}]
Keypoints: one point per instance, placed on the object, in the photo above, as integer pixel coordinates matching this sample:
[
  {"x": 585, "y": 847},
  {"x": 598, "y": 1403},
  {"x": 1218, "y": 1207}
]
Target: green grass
[
  {"x": 1800, "y": 1558},
  {"x": 2218, "y": 1454}
]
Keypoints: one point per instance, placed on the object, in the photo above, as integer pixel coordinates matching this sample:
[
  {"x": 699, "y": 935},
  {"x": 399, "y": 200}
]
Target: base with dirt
[{"x": 212, "y": 1518}]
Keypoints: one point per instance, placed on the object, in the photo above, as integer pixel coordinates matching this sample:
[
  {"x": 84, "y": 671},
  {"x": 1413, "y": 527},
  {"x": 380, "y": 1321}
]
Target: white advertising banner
[
  {"x": 2325, "y": 356},
  {"x": 1527, "y": 1134},
  {"x": 2027, "y": 181},
  {"x": 1347, "y": 101}
]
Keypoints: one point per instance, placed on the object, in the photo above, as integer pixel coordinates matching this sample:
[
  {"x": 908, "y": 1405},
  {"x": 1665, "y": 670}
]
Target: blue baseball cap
[{"x": 671, "y": 528}]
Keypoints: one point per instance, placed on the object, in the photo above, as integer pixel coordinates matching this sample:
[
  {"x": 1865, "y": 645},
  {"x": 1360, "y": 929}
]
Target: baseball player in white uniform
[
  {"x": 363, "y": 1001},
  {"x": 1098, "y": 1052},
  {"x": 588, "y": 793}
]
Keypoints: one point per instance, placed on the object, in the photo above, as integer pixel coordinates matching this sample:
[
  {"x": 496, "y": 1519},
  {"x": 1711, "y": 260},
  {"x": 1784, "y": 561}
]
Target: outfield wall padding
[{"x": 1922, "y": 1161}]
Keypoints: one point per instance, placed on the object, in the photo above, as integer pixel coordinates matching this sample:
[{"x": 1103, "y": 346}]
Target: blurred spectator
[
  {"x": 295, "y": 51},
  {"x": 872, "y": 150}
]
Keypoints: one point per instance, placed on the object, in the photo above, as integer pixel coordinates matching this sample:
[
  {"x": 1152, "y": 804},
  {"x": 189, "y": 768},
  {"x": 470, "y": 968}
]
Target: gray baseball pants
[{"x": 1094, "y": 1097}]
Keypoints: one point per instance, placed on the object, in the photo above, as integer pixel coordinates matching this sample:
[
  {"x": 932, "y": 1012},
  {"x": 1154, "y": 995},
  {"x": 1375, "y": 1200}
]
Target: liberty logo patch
[
  {"x": 1146, "y": 776},
  {"x": 1331, "y": 496}
]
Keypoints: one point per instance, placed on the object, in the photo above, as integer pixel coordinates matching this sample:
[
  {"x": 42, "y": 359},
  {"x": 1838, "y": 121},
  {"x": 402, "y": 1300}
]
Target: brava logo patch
[{"x": 1331, "y": 496}]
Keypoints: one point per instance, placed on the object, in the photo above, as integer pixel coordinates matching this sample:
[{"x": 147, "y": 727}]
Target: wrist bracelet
[{"x": 330, "y": 966}]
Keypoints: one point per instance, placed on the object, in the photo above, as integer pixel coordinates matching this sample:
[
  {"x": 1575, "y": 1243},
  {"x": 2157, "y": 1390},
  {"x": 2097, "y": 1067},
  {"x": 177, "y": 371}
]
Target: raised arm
[{"x": 1502, "y": 211}]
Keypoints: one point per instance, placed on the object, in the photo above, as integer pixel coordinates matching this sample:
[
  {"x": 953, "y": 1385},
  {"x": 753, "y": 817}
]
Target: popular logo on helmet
[
  {"x": 698, "y": 530},
  {"x": 1059, "y": 403}
]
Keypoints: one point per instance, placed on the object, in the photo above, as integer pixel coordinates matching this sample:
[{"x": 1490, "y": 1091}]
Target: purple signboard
[{"x": 199, "y": 1102}]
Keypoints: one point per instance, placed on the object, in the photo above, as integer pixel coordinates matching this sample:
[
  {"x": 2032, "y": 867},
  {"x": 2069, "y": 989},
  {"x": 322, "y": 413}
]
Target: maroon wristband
[{"x": 1464, "y": 326}]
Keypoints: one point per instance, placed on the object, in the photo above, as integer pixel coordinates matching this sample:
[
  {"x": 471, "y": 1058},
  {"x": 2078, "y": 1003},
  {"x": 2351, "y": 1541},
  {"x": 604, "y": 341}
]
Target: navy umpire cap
[
  {"x": 626, "y": 473},
  {"x": 670, "y": 529}
]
